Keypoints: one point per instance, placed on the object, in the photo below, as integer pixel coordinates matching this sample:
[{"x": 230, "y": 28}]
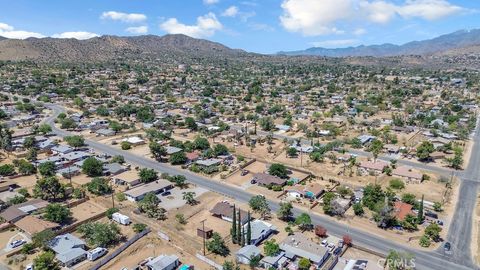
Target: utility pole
[
  {"x": 113, "y": 193},
  {"x": 203, "y": 236}
]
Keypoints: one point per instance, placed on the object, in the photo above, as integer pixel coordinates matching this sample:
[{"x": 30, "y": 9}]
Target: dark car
[{"x": 447, "y": 246}]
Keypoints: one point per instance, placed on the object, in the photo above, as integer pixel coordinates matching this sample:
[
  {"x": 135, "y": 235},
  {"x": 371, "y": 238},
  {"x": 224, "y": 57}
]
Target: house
[
  {"x": 391, "y": 148},
  {"x": 16, "y": 212},
  {"x": 299, "y": 246},
  {"x": 113, "y": 169},
  {"x": 364, "y": 139},
  {"x": 247, "y": 252},
  {"x": 401, "y": 210},
  {"x": 192, "y": 156},
  {"x": 207, "y": 163},
  {"x": 69, "y": 171},
  {"x": 275, "y": 262},
  {"x": 69, "y": 249},
  {"x": 128, "y": 178},
  {"x": 264, "y": 179},
  {"x": 76, "y": 156},
  {"x": 134, "y": 140},
  {"x": 310, "y": 191},
  {"x": 260, "y": 230},
  {"x": 408, "y": 173},
  {"x": 353, "y": 264},
  {"x": 340, "y": 205},
  {"x": 372, "y": 167},
  {"x": 224, "y": 210},
  {"x": 106, "y": 132},
  {"x": 163, "y": 262},
  {"x": 62, "y": 149},
  {"x": 137, "y": 194},
  {"x": 172, "y": 150}
]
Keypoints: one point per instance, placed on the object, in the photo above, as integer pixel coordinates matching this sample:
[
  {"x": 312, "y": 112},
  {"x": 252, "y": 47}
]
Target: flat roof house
[
  {"x": 208, "y": 162},
  {"x": 129, "y": 178},
  {"x": 299, "y": 246},
  {"x": 408, "y": 173},
  {"x": 69, "y": 249},
  {"x": 137, "y": 194},
  {"x": 163, "y": 262}
]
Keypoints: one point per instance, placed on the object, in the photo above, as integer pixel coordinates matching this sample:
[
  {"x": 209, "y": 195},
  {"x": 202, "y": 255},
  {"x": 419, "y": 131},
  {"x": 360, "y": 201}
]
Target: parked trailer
[
  {"x": 96, "y": 253},
  {"x": 122, "y": 219}
]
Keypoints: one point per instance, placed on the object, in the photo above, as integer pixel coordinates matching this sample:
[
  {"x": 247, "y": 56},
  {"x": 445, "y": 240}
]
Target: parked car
[
  {"x": 17, "y": 243},
  {"x": 166, "y": 193},
  {"x": 29, "y": 267},
  {"x": 244, "y": 172},
  {"x": 447, "y": 246}
]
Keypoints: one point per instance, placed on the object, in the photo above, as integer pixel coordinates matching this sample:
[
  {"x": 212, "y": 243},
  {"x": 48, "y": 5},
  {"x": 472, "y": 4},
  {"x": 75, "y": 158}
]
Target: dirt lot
[
  {"x": 86, "y": 210},
  {"x": 356, "y": 254}
]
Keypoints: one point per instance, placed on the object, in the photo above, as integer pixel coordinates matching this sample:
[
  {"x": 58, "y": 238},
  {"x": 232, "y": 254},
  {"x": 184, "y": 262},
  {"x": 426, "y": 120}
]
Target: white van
[
  {"x": 96, "y": 253},
  {"x": 122, "y": 219}
]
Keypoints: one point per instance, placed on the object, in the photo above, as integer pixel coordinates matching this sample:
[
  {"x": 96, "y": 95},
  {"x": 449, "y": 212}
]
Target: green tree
[
  {"x": 75, "y": 141},
  {"x": 49, "y": 188},
  {"x": 157, "y": 150},
  {"x": 375, "y": 148},
  {"x": 358, "y": 209},
  {"x": 285, "y": 211},
  {"x": 304, "y": 264},
  {"x": 110, "y": 211},
  {"x": 118, "y": 159},
  {"x": 100, "y": 234},
  {"x": 279, "y": 170},
  {"x": 267, "y": 123},
  {"x": 420, "y": 212},
  {"x": 217, "y": 245},
  {"x": 189, "y": 197},
  {"x": 150, "y": 206},
  {"x": 433, "y": 231},
  {"x": 47, "y": 168},
  {"x": 424, "y": 150},
  {"x": 58, "y": 213},
  {"x": 271, "y": 248},
  {"x": 41, "y": 239},
  {"x": 425, "y": 241},
  {"x": 126, "y": 145},
  {"x": 26, "y": 168},
  {"x": 398, "y": 260},
  {"x": 179, "y": 180},
  {"x": 201, "y": 143},
  {"x": 46, "y": 261},
  {"x": 233, "y": 230},
  {"x": 259, "y": 205},
  {"x": 190, "y": 123},
  {"x": 178, "y": 158},
  {"x": 99, "y": 186},
  {"x": 7, "y": 169},
  {"x": 139, "y": 227},
  {"x": 303, "y": 221},
  {"x": 147, "y": 175},
  {"x": 292, "y": 152},
  {"x": 219, "y": 150},
  {"x": 437, "y": 207},
  {"x": 92, "y": 167}
]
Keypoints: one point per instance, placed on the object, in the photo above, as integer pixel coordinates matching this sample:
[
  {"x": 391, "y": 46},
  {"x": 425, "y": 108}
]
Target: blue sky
[{"x": 264, "y": 26}]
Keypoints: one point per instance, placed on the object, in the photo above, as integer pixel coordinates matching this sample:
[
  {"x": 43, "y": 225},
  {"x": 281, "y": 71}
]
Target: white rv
[
  {"x": 122, "y": 219},
  {"x": 96, "y": 253}
]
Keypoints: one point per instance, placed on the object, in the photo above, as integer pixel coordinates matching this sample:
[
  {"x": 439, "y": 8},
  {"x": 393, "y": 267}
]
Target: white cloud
[
  {"x": 76, "y": 35},
  {"x": 210, "y": 2},
  {"x": 334, "y": 43},
  {"x": 124, "y": 17},
  {"x": 206, "y": 26},
  {"x": 230, "y": 12},
  {"x": 261, "y": 27},
  {"x": 9, "y": 31},
  {"x": 428, "y": 9},
  {"x": 5, "y": 27},
  {"x": 137, "y": 30},
  {"x": 313, "y": 17},
  {"x": 359, "y": 31}
]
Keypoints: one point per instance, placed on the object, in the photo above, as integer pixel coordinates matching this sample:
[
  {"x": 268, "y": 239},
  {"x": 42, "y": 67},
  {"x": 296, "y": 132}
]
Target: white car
[
  {"x": 29, "y": 267},
  {"x": 17, "y": 243}
]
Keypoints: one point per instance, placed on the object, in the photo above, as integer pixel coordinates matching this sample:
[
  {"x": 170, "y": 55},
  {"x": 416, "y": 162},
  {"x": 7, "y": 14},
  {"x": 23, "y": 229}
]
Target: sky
[{"x": 263, "y": 26}]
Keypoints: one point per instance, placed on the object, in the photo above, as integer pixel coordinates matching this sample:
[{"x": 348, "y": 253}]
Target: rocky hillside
[
  {"x": 110, "y": 47},
  {"x": 453, "y": 41}
]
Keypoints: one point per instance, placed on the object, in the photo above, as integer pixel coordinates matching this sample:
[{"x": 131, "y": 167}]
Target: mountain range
[
  {"x": 454, "y": 41},
  {"x": 110, "y": 47},
  {"x": 166, "y": 47}
]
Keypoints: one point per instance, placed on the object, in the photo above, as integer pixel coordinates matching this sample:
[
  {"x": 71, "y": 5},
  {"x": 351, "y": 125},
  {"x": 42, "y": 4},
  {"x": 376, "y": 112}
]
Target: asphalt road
[{"x": 423, "y": 259}]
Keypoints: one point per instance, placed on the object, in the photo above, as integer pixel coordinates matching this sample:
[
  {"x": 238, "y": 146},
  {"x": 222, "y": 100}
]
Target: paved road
[
  {"x": 424, "y": 260},
  {"x": 460, "y": 232}
]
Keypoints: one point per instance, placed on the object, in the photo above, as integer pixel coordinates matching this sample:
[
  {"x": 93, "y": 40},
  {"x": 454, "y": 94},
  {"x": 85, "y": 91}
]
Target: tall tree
[
  {"x": 420, "y": 212},
  {"x": 234, "y": 225},
  {"x": 239, "y": 228},
  {"x": 249, "y": 230}
]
